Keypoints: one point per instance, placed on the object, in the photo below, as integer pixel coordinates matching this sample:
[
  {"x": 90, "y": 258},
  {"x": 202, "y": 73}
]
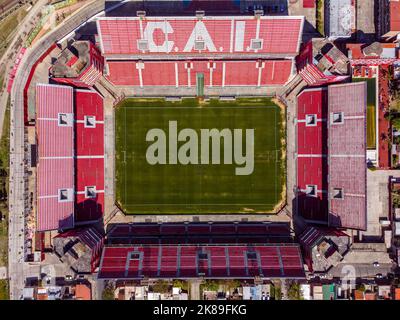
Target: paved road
[
  {"x": 360, "y": 270},
  {"x": 12, "y": 51},
  {"x": 17, "y": 194}
]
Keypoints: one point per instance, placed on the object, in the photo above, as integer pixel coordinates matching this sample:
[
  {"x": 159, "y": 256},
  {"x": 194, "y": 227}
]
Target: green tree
[
  {"x": 210, "y": 285},
  {"x": 108, "y": 292},
  {"x": 277, "y": 293},
  {"x": 180, "y": 284},
  {"x": 294, "y": 292},
  {"x": 161, "y": 286}
]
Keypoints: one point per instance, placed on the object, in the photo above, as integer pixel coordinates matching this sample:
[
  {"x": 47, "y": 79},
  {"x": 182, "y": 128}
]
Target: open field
[
  {"x": 197, "y": 187},
  {"x": 8, "y": 27},
  {"x": 371, "y": 111}
]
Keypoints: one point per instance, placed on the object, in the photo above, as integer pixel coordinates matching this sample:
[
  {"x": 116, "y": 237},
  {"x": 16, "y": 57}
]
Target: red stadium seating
[
  {"x": 312, "y": 165},
  {"x": 193, "y": 261},
  {"x": 222, "y": 35},
  {"x": 342, "y": 146},
  {"x": 90, "y": 155},
  {"x": 199, "y": 233},
  {"x": 55, "y": 155},
  {"x": 216, "y": 74}
]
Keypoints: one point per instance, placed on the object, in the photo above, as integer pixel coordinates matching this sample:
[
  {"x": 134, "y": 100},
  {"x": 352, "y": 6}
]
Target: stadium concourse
[{"x": 331, "y": 155}]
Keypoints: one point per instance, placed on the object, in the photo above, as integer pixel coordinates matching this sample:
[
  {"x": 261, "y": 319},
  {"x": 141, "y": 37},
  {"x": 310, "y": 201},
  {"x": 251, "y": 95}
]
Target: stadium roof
[
  {"x": 55, "y": 177},
  {"x": 347, "y": 104},
  {"x": 193, "y": 261},
  {"x": 155, "y": 37}
]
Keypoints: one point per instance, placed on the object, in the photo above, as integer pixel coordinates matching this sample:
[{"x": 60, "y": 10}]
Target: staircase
[{"x": 106, "y": 88}]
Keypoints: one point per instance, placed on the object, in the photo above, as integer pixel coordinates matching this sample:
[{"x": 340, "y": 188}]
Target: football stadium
[
  {"x": 186, "y": 144},
  {"x": 166, "y": 116},
  {"x": 185, "y": 182}
]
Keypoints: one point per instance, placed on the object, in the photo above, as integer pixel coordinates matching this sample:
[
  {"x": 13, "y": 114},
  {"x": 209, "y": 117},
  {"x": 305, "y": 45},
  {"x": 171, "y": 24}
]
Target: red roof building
[{"x": 83, "y": 292}]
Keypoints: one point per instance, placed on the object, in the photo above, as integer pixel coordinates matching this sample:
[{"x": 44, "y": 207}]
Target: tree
[
  {"x": 277, "y": 293},
  {"x": 108, "y": 292},
  {"x": 294, "y": 292},
  {"x": 210, "y": 285},
  {"x": 161, "y": 286},
  {"x": 181, "y": 284},
  {"x": 361, "y": 287}
]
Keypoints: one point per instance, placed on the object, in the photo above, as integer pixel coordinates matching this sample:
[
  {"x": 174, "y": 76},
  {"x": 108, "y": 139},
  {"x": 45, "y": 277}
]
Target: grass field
[
  {"x": 371, "y": 111},
  {"x": 199, "y": 188}
]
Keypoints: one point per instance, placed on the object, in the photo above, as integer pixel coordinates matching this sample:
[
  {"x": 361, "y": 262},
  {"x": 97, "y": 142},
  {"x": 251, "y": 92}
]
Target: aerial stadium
[
  {"x": 204, "y": 134},
  {"x": 190, "y": 142}
]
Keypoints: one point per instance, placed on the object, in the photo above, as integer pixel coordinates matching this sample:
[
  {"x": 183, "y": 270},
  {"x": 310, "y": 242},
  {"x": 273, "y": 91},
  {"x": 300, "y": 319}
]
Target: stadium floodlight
[
  {"x": 258, "y": 13},
  {"x": 200, "y": 14},
  {"x": 141, "y": 13}
]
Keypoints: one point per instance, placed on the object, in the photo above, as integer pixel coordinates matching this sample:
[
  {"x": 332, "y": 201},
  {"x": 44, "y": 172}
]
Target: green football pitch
[
  {"x": 371, "y": 110},
  {"x": 143, "y": 187}
]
